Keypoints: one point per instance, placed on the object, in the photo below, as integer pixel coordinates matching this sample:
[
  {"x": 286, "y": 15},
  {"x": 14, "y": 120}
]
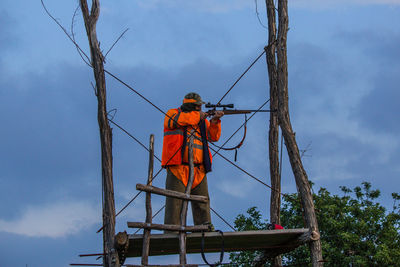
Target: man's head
[{"x": 191, "y": 102}]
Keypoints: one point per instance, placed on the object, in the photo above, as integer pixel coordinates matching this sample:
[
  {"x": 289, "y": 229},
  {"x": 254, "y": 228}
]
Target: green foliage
[
  {"x": 355, "y": 229},
  {"x": 246, "y": 223}
]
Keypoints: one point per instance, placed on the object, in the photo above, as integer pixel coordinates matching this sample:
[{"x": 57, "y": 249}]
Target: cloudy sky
[{"x": 343, "y": 74}]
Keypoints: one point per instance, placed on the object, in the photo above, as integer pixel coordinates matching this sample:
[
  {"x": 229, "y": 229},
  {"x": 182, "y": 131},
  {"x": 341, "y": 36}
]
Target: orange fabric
[
  {"x": 182, "y": 173},
  {"x": 174, "y": 123},
  {"x": 185, "y": 100}
]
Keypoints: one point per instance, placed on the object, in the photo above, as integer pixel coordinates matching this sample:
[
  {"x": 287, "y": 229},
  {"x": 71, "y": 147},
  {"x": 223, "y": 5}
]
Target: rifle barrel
[{"x": 240, "y": 111}]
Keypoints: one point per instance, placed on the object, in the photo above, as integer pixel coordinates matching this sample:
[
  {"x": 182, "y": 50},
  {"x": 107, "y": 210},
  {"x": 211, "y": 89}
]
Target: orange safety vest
[{"x": 177, "y": 127}]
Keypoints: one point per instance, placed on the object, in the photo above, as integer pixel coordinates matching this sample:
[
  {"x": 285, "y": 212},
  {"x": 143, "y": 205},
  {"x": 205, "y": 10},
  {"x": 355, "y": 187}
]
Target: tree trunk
[
  {"x": 273, "y": 138},
  {"x": 289, "y": 136},
  {"x": 110, "y": 259}
]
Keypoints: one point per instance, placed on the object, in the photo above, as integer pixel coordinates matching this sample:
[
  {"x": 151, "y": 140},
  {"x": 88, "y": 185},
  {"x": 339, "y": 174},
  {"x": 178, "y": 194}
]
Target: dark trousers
[{"x": 173, "y": 206}]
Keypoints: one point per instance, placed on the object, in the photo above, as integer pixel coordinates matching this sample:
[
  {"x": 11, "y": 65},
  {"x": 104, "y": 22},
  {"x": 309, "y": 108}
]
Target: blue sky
[{"x": 343, "y": 92}]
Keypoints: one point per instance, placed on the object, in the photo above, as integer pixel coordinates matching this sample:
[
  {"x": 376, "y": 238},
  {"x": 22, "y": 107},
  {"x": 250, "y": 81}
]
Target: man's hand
[
  {"x": 203, "y": 115},
  {"x": 217, "y": 115}
]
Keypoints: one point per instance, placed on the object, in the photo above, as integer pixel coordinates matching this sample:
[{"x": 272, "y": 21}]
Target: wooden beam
[
  {"x": 182, "y": 234},
  {"x": 170, "y": 193},
  {"x": 169, "y": 265},
  {"x": 149, "y": 216},
  {"x": 169, "y": 227},
  {"x": 274, "y": 240}
]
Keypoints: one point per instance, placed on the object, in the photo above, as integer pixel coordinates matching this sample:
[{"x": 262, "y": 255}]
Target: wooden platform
[{"x": 272, "y": 240}]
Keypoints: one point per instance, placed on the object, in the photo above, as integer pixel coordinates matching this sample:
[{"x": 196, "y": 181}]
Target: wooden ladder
[{"x": 182, "y": 228}]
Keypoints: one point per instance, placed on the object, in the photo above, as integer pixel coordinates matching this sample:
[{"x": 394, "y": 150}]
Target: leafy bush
[{"x": 355, "y": 229}]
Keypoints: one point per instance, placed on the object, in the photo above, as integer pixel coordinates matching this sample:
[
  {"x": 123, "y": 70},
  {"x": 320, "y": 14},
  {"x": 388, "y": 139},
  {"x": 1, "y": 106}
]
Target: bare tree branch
[
  {"x": 73, "y": 38},
  {"x": 305, "y": 150},
  {"x": 111, "y": 114},
  {"x": 94, "y": 88},
  {"x": 65, "y": 31},
  {"x": 258, "y": 15}
]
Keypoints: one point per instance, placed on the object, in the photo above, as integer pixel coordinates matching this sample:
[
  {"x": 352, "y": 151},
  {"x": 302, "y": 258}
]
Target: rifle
[{"x": 228, "y": 109}]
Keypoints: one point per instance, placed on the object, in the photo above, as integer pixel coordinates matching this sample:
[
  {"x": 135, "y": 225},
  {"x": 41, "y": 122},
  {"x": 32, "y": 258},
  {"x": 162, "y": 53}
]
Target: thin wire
[
  {"x": 131, "y": 136},
  {"x": 246, "y": 172},
  {"x": 151, "y": 217},
  {"x": 216, "y": 213},
  {"x": 251, "y": 65},
  {"x": 221, "y": 147},
  {"x": 122, "y": 34},
  {"x": 135, "y": 91}
]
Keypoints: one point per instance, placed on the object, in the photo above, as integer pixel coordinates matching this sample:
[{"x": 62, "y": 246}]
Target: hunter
[{"x": 178, "y": 124}]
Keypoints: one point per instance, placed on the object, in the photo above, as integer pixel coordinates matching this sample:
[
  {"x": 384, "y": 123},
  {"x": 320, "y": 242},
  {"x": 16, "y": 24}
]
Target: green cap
[{"x": 193, "y": 98}]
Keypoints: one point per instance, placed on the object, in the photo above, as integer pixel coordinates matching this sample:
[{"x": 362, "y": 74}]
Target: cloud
[
  {"x": 53, "y": 220},
  {"x": 7, "y": 25},
  {"x": 235, "y": 187},
  {"x": 201, "y": 5},
  {"x": 338, "y": 3},
  {"x": 223, "y": 6}
]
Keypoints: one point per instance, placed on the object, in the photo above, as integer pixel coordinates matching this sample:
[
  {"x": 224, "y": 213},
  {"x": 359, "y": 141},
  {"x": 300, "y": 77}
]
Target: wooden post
[
  {"x": 146, "y": 231},
  {"x": 278, "y": 78},
  {"x": 273, "y": 137},
  {"x": 182, "y": 234},
  {"x": 111, "y": 258},
  {"x": 289, "y": 136}
]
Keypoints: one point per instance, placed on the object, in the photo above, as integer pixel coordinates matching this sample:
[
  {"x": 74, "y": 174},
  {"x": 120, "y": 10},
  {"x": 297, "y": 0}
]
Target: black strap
[
  {"x": 221, "y": 256},
  {"x": 206, "y": 153},
  {"x": 184, "y": 142},
  {"x": 240, "y": 143}
]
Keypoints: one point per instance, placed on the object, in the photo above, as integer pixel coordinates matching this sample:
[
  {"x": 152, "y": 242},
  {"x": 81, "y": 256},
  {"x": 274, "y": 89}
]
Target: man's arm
[
  {"x": 217, "y": 115},
  {"x": 214, "y": 127}
]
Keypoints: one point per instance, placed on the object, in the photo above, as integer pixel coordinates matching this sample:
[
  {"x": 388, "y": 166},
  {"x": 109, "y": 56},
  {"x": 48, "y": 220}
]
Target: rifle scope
[{"x": 209, "y": 105}]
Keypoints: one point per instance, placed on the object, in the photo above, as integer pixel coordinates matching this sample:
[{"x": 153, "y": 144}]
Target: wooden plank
[
  {"x": 164, "y": 244},
  {"x": 170, "y": 193},
  {"x": 182, "y": 235},
  {"x": 168, "y": 265},
  {"x": 146, "y": 232},
  {"x": 169, "y": 227}
]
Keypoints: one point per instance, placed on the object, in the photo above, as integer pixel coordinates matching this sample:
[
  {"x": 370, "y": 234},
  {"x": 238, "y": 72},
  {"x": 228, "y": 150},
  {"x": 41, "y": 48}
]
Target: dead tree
[
  {"x": 278, "y": 80},
  {"x": 97, "y": 62},
  {"x": 273, "y": 137}
]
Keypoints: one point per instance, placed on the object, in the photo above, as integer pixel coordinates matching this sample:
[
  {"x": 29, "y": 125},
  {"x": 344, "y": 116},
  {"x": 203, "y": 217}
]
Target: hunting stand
[{"x": 201, "y": 239}]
